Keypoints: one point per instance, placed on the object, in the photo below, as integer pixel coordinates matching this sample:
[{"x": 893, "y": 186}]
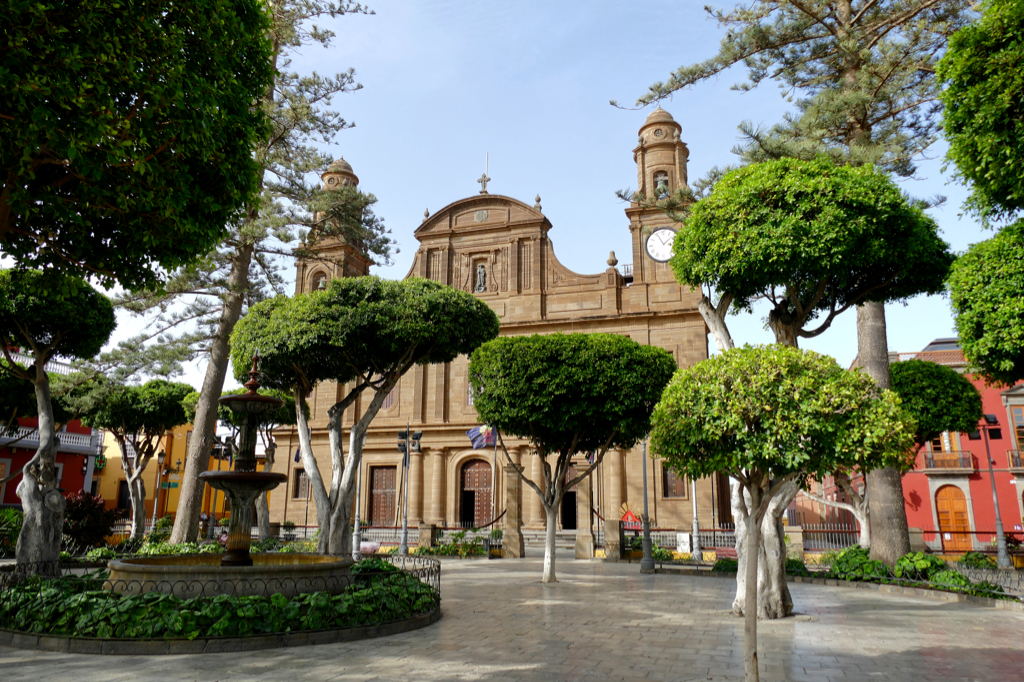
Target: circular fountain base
[{"x": 203, "y": 575}]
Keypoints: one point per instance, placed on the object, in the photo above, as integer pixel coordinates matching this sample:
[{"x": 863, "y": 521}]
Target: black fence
[{"x": 55, "y": 599}]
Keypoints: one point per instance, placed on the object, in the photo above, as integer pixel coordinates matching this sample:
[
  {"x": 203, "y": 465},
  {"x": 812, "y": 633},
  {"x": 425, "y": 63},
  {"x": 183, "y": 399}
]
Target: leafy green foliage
[
  {"x": 87, "y": 522},
  {"x": 569, "y": 393},
  {"x": 82, "y": 608},
  {"x": 795, "y": 566},
  {"x": 977, "y": 560},
  {"x": 725, "y": 566},
  {"x": 855, "y": 564},
  {"x": 160, "y": 547},
  {"x": 10, "y": 527},
  {"x": 463, "y": 543},
  {"x": 983, "y": 71},
  {"x": 918, "y": 566},
  {"x": 811, "y": 237},
  {"x": 778, "y": 410},
  {"x": 360, "y": 327},
  {"x": 986, "y": 288},
  {"x": 659, "y": 553},
  {"x": 161, "y": 531},
  {"x": 153, "y": 408},
  {"x": 53, "y": 314},
  {"x": 282, "y": 416},
  {"x": 127, "y": 138},
  {"x": 939, "y": 398}
]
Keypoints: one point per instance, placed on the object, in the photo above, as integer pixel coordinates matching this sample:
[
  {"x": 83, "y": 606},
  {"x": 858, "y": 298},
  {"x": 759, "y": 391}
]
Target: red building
[
  {"x": 76, "y": 453},
  {"x": 949, "y": 493}
]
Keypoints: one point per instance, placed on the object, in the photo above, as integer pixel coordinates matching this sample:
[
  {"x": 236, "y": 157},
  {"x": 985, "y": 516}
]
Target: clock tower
[{"x": 660, "y": 157}]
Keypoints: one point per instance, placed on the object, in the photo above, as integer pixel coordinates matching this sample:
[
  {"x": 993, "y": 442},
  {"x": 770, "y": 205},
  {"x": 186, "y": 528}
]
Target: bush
[
  {"x": 854, "y": 563},
  {"x": 101, "y": 553},
  {"x": 81, "y": 608},
  {"x": 161, "y": 531},
  {"x": 10, "y": 528},
  {"x": 661, "y": 554},
  {"x": 725, "y": 566},
  {"x": 86, "y": 522},
  {"x": 167, "y": 549},
  {"x": 796, "y": 566},
  {"x": 268, "y": 545},
  {"x": 918, "y": 566},
  {"x": 977, "y": 560}
]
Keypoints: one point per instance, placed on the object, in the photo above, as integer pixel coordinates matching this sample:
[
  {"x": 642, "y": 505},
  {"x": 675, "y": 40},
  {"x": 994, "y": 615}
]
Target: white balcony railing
[{"x": 28, "y": 438}]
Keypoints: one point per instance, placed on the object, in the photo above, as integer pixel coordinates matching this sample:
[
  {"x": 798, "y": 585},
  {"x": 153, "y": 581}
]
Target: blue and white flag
[
  {"x": 297, "y": 457},
  {"x": 481, "y": 437}
]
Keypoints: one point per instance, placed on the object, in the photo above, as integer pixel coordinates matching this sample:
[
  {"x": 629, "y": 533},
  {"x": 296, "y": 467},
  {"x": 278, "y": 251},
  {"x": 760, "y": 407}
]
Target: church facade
[{"x": 500, "y": 249}]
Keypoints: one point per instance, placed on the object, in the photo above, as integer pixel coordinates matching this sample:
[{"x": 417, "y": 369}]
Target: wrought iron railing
[
  {"x": 824, "y": 537},
  {"x": 1015, "y": 458},
  {"x": 948, "y": 460}
]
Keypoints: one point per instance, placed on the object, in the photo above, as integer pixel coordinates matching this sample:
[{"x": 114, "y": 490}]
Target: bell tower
[
  {"x": 660, "y": 158},
  {"x": 340, "y": 258}
]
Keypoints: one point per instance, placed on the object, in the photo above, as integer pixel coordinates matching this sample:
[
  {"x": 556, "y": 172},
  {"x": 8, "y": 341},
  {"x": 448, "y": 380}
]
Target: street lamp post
[
  {"x": 407, "y": 444},
  {"x": 159, "y": 479},
  {"x": 647, "y": 563},
  {"x": 696, "y": 553},
  {"x": 1002, "y": 555}
]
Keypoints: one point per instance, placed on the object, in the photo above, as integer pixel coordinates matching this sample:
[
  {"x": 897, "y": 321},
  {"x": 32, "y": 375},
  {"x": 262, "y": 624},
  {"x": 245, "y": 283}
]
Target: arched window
[{"x": 661, "y": 184}]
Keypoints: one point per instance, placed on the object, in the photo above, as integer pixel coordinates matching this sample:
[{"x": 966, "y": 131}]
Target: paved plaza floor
[{"x": 608, "y": 622}]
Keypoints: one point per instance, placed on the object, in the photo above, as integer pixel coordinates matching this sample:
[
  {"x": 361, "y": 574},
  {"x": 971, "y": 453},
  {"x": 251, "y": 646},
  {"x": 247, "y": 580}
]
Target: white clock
[{"x": 659, "y": 244}]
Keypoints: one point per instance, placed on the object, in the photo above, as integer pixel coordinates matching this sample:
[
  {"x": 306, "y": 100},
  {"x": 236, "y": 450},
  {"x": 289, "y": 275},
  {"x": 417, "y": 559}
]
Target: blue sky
[{"x": 447, "y": 81}]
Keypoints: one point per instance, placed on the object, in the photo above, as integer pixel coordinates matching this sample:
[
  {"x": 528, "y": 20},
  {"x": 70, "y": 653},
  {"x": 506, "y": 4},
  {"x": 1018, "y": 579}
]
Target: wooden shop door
[
  {"x": 475, "y": 497},
  {"x": 954, "y": 523},
  {"x": 382, "y": 495}
]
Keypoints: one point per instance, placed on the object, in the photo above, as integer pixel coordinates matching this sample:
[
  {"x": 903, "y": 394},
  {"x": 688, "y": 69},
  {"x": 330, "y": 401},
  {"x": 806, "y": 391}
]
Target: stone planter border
[
  {"x": 940, "y": 595},
  {"x": 209, "y": 645}
]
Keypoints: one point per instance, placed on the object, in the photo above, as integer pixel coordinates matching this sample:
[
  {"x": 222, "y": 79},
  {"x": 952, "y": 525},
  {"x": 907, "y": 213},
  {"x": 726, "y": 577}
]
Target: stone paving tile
[{"x": 607, "y": 622}]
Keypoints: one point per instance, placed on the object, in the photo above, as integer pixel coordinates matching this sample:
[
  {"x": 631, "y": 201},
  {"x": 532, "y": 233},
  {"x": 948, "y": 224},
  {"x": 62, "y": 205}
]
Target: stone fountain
[
  {"x": 236, "y": 572},
  {"x": 244, "y": 484}
]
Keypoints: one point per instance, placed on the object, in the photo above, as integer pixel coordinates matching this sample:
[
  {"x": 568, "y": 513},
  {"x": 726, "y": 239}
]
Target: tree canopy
[
  {"x": 939, "y": 398},
  {"x": 986, "y": 289},
  {"x": 569, "y": 393},
  {"x": 51, "y": 314},
  {"x": 778, "y": 410},
  {"x": 812, "y": 238},
  {"x": 146, "y": 411},
  {"x": 983, "y": 120},
  {"x": 127, "y": 130},
  {"x": 359, "y": 328}
]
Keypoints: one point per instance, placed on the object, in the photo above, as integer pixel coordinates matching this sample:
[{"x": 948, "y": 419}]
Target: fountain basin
[{"x": 203, "y": 575}]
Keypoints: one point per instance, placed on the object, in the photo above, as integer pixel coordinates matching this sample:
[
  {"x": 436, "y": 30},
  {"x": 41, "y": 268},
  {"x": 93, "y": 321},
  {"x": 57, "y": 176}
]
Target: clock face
[{"x": 659, "y": 244}]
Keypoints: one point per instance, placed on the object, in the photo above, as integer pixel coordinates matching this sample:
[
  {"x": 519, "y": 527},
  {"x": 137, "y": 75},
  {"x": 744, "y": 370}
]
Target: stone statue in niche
[{"x": 481, "y": 279}]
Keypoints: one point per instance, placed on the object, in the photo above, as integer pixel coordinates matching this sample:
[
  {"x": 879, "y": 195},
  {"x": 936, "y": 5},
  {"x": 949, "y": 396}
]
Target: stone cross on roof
[{"x": 483, "y": 183}]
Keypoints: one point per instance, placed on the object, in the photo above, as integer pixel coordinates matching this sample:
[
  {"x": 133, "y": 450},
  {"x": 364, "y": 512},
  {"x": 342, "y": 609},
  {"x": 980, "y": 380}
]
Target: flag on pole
[
  {"x": 297, "y": 457},
  {"x": 481, "y": 437}
]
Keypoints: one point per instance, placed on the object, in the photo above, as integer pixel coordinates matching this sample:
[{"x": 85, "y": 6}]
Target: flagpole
[{"x": 494, "y": 475}]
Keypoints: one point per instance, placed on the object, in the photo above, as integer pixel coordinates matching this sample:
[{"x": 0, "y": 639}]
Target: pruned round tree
[
  {"x": 139, "y": 417},
  {"x": 812, "y": 238},
  {"x": 127, "y": 131},
  {"x": 47, "y": 314},
  {"x": 983, "y": 120},
  {"x": 766, "y": 416},
  {"x": 364, "y": 333},
  {"x": 986, "y": 289},
  {"x": 939, "y": 398},
  {"x": 568, "y": 395}
]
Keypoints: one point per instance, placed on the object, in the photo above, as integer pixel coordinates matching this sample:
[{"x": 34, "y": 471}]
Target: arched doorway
[
  {"x": 954, "y": 523},
  {"x": 568, "y": 510},
  {"x": 475, "y": 494}
]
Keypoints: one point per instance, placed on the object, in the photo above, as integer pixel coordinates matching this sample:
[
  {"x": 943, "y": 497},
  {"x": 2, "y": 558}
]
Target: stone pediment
[{"x": 481, "y": 212}]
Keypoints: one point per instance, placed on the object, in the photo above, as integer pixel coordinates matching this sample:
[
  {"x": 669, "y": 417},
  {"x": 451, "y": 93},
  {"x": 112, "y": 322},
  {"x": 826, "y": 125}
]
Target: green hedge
[{"x": 81, "y": 608}]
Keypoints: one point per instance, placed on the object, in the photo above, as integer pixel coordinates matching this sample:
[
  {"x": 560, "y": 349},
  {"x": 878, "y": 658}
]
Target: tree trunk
[
  {"x": 137, "y": 496},
  {"x": 773, "y": 597},
  {"x": 190, "y": 500},
  {"x": 551, "y": 529},
  {"x": 42, "y": 503},
  {"x": 750, "y": 671},
  {"x": 890, "y": 535},
  {"x": 262, "y": 503},
  {"x": 715, "y": 320}
]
